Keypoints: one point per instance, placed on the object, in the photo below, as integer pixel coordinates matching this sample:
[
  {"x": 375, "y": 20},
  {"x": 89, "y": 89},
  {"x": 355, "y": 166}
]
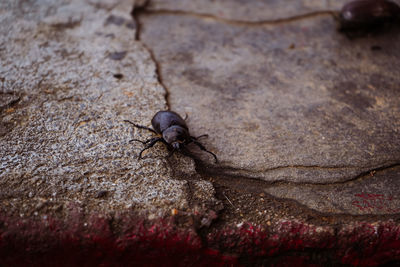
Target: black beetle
[
  {"x": 364, "y": 14},
  {"x": 171, "y": 129}
]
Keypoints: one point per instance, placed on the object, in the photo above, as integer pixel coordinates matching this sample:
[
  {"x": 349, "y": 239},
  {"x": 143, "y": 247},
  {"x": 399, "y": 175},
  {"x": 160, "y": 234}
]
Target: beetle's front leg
[{"x": 150, "y": 143}]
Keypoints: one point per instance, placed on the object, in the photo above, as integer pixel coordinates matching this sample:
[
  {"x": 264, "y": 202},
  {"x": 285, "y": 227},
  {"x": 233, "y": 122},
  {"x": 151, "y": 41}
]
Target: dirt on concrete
[{"x": 304, "y": 121}]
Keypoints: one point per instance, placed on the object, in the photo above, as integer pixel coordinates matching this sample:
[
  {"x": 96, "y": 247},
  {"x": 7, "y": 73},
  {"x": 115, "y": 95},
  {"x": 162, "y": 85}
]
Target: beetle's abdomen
[
  {"x": 368, "y": 12},
  {"x": 165, "y": 119}
]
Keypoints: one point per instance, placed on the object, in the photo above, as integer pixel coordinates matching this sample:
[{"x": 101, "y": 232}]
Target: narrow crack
[
  {"x": 207, "y": 170},
  {"x": 137, "y": 10},
  {"x": 240, "y": 22},
  {"x": 317, "y": 213},
  {"x": 227, "y": 168},
  {"x": 362, "y": 175},
  {"x": 302, "y": 210}
]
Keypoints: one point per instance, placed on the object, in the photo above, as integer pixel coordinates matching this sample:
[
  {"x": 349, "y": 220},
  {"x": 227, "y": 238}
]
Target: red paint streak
[
  {"x": 53, "y": 243},
  {"x": 373, "y": 202}
]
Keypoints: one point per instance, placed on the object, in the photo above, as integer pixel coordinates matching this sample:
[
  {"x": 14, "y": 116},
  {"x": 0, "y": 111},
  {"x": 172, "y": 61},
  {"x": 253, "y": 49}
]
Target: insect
[
  {"x": 364, "y": 14},
  {"x": 171, "y": 129}
]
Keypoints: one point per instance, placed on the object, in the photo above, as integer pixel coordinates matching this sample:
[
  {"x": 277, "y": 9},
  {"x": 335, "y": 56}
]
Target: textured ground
[{"x": 304, "y": 120}]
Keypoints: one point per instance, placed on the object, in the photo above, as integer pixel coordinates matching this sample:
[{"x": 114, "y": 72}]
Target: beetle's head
[{"x": 176, "y": 136}]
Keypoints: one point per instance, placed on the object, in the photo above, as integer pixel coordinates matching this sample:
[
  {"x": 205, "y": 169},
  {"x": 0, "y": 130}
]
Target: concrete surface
[
  {"x": 304, "y": 120},
  {"x": 288, "y": 102}
]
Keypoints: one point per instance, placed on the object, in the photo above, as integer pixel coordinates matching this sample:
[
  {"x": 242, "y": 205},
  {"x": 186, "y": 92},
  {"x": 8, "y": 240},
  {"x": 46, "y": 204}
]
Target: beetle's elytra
[
  {"x": 364, "y": 14},
  {"x": 171, "y": 129}
]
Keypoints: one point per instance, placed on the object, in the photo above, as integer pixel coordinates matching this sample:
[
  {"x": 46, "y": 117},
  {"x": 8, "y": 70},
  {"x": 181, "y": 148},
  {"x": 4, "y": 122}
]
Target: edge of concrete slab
[{"x": 101, "y": 240}]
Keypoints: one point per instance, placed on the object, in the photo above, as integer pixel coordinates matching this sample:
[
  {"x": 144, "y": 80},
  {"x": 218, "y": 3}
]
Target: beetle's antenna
[
  {"x": 198, "y": 137},
  {"x": 141, "y": 126}
]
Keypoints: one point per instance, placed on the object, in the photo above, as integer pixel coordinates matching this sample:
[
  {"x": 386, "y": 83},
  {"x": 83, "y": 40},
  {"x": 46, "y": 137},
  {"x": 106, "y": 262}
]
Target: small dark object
[
  {"x": 364, "y": 14},
  {"x": 376, "y": 48},
  {"x": 117, "y": 55},
  {"x": 102, "y": 193},
  {"x": 172, "y": 130},
  {"x": 114, "y": 20},
  {"x": 118, "y": 76}
]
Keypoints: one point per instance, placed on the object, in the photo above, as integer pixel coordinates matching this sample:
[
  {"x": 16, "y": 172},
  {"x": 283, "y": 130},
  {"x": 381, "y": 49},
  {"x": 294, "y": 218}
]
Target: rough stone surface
[
  {"x": 62, "y": 111},
  {"x": 304, "y": 120}
]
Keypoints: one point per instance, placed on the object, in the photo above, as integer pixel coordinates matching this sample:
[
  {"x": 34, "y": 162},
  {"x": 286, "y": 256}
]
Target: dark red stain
[
  {"x": 374, "y": 202},
  {"x": 49, "y": 242}
]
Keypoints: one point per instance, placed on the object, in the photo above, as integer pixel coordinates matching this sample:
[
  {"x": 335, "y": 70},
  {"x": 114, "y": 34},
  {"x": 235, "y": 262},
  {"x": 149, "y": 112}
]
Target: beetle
[
  {"x": 364, "y": 14},
  {"x": 171, "y": 129}
]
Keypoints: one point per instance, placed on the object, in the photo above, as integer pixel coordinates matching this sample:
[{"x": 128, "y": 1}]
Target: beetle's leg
[
  {"x": 143, "y": 142},
  {"x": 204, "y": 149},
  {"x": 151, "y": 142},
  {"x": 141, "y": 126},
  {"x": 198, "y": 137},
  {"x": 186, "y": 116}
]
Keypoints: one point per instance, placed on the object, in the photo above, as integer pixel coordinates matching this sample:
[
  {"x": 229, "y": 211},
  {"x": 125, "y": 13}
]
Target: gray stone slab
[
  {"x": 310, "y": 114},
  {"x": 374, "y": 193},
  {"x": 294, "y": 101},
  {"x": 70, "y": 73}
]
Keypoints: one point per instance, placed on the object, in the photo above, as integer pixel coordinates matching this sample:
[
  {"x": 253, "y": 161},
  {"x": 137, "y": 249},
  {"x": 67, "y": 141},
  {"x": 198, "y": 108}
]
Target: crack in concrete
[
  {"x": 309, "y": 167},
  {"x": 136, "y": 11},
  {"x": 240, "y": 22},
  {"x": 208, "y": 170},
  {"x": 258, "y": 186},
  {"x": 361, "y": 176}
]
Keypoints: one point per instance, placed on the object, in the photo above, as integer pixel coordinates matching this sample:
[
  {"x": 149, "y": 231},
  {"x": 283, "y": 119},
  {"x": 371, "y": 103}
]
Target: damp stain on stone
[
  {"x": 110, "y": 35},
  {"x": 350, "y": 94},
  {"x": 119, "y": 21},
  {"x": 117, "y": 55},
  {"x": 131, "y": 25},
  {"x": 114, "y": 20}
]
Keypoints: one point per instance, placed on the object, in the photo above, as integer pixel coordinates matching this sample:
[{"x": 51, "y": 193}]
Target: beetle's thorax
[{"x": 176, "y": 133}]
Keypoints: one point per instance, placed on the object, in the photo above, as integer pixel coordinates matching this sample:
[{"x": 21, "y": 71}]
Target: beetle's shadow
[
  {"x": 372, "y": 31},
  {"x": 193, "y": 155},
  {"x": 180, "y": 163}
]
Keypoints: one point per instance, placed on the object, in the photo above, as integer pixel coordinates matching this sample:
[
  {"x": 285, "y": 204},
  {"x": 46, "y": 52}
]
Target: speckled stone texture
[
  {"x": 304, "y": 121},
  {"x": 71, "y": 72}
]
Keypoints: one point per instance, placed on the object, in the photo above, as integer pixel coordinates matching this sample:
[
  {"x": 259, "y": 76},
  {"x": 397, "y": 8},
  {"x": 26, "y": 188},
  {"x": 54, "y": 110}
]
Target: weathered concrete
[
  {"x": 63, "y": 102},
  {"x": 290, "y": 102},
  {"x": 270, "y": 112},
  {"x": 376, "y": 193},
  {"x": 304, "y": 121}
]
